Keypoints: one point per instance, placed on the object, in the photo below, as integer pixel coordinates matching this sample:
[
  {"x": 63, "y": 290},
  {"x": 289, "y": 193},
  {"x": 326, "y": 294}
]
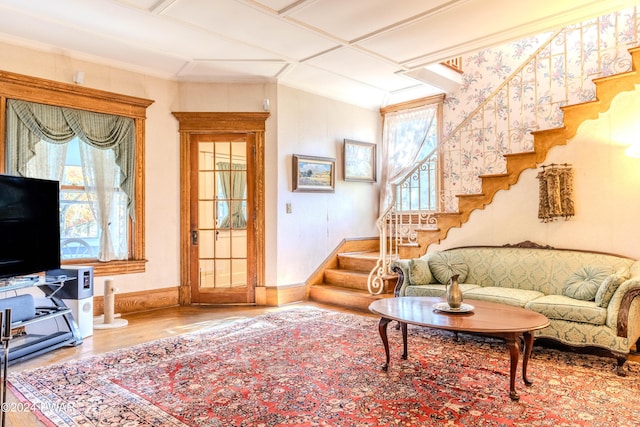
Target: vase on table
[{"x": 454, "y": 294}]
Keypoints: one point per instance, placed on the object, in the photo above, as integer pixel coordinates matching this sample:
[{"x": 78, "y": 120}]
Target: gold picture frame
[{"x": 313, "y": 174}]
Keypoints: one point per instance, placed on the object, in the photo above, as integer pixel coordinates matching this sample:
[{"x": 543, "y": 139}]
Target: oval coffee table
[{"x": 487, "y": 318}]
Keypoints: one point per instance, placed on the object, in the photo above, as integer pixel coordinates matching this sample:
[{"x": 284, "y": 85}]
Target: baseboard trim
[
  {"x": 131, "y": 302},
  {"x": 275, "y": 296},
  {"x": 139, "y": 301}
]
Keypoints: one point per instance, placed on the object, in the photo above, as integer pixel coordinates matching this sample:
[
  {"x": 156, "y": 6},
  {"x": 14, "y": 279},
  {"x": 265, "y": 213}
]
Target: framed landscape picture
[
  {"x": 313, "y": 174},
  {"x": 359, "y": 161}
]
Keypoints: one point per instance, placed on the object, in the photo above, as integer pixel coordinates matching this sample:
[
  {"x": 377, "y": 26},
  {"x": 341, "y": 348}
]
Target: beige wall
[
  {"x": 316, "y": 126},
  {"x": 606, "y": 189},
  {"x": 304, "y": 123}
]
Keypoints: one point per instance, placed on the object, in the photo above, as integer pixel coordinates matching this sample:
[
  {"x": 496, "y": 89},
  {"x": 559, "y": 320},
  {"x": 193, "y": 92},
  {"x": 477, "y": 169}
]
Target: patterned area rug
[{"x": 310, "y": 367}]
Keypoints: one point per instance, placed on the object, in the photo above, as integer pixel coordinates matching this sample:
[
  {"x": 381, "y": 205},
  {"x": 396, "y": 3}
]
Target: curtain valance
[{"x": 29, "y": 122}]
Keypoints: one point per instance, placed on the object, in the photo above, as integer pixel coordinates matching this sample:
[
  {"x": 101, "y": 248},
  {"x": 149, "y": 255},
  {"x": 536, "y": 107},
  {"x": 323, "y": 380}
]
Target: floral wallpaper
[{"x": 511, "y": 90}]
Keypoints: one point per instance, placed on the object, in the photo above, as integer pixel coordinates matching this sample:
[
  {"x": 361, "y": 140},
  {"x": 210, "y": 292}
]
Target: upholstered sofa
[{"x": 592, "y": 299}]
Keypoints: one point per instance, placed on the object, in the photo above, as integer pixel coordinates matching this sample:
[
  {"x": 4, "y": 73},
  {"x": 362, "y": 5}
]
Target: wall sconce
[{"x": 633, "y": 150}]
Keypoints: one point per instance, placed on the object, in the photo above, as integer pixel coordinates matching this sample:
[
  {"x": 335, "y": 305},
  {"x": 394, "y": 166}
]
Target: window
[
  {"x": 82, "y": 223},
  {"x": 411, "y": 165},
  {"x": 80, "y": 231}
]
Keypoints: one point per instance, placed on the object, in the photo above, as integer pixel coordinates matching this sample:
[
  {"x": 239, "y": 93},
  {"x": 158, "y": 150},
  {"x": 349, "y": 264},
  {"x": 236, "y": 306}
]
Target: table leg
[
  {"x": 403, "y": 325},
  {"x": 528, "y": 348},
  {"x": 382, "y": 328},
  {"x": 514, "y": 351}
]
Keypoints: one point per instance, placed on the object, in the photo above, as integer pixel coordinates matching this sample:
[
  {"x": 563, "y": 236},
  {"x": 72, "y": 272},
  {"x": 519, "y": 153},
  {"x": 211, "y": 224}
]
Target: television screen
[{"x": 29, "y": 225}]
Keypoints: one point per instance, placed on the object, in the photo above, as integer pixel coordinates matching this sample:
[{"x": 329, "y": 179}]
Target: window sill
[{"x": 111, "y": 267}]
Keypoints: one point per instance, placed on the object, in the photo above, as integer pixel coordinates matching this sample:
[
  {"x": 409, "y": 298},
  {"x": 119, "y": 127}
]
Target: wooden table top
[{"x": 486, "y": 317}]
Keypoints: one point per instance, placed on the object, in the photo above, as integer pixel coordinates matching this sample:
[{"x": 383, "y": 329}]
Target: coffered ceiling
[{"x": 365, "y": 52}]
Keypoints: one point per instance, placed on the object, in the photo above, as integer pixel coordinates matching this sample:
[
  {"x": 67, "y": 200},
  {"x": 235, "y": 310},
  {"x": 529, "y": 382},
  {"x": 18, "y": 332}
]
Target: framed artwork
[
  {"x": 314, "y": 174},
  {"x": 359, "y": 161}
]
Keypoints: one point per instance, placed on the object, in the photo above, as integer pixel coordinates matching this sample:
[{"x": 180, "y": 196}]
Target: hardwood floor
[
  {"x": 148, "y": 326},
  {"x": 143, "y": 327}
]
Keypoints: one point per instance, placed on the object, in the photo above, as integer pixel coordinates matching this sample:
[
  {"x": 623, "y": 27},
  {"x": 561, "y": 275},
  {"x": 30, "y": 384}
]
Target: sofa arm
[
  {"x": 621, "y": 305},
  {"x": 400, "y": 267},
  {"x": 624, "y": 312}
]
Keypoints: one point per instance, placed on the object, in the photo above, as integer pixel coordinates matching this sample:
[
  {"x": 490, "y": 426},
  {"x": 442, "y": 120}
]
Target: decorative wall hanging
[
  {"x": 313, "y": 174},
  {"x": 556, "y": 192}
]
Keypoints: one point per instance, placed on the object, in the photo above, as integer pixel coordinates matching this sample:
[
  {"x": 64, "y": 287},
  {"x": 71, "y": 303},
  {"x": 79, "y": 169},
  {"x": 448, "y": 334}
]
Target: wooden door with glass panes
[{"x": 223, "y": 260}]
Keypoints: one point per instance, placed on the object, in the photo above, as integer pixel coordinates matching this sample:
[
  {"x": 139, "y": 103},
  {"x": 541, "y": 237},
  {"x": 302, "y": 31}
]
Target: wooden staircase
[
  {"x": 342, "y": 280},
  {"x": 606, "y": 89},
  {"x": 345, "y": 284}
]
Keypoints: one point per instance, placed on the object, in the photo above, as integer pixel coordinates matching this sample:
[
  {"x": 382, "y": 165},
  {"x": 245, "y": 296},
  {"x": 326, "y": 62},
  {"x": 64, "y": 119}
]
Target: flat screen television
[{"x": 29, "y": 225}]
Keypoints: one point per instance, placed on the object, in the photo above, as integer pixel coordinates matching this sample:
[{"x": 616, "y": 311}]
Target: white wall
[
  {"x": 316, "y": 126},
  {"x": 162, "y": 153},
  {"x": 606, "y": 190},
  {"x": 306, "y": 124}
]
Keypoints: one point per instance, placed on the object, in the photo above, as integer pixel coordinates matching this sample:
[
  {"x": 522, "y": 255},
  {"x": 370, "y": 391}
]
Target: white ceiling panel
[
  {"x": 333, "y": 86},
  {"x": 358, "y": 51},
  {"x": 102, "y": 48},
  {"x": 371, "y": 70},
  {"x": 250, "y": 25},
  {"x": 353, "y": 19},
  {"x": 277, "y": 5},
  {"x": 147, "y": 5},
  {"x": 470, "y": 25}
]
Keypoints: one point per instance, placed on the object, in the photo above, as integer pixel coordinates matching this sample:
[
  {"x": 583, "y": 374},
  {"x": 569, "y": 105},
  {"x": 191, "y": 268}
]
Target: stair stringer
[{"x": 543, "y": 140}]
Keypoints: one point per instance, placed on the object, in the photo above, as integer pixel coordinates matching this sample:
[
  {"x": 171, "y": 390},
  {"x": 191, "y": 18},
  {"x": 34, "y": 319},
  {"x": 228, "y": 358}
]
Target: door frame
[{"x": 211, "y": 123}]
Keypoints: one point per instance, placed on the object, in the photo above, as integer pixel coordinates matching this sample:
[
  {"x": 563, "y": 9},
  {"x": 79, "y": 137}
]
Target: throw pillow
[
  {"x": 583, "y": 284},
  {"x": 443, "y": 265},
  {"x": 419, "y": 272},
  {"x": 607, "y": 289}
]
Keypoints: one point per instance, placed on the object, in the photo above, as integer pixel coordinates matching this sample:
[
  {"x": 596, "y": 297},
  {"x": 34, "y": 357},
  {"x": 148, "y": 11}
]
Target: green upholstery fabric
[
  {"x": 583, "y": 335},
  {"x": 444, "y": 265},
  {"x": 419, "y": 272},
  {"x": 583, "y": 284},
  {"x": 565, "y": 308},
  {"x": 510, "y": 296},
  {"x": 607, "y": 288},
  {"x": 479, "y": 261},
  {"x": 536, "y": 279},
  {"x": 434, "y": 290}
]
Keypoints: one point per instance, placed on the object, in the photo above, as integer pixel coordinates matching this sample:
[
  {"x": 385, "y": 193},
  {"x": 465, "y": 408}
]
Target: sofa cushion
[
  {"x": 444, "y": 265},
  {"x": 607, "y": 288},
  {"x": 419, "y": 272},
  {"x": 529, "y": 269},
  {"x": 510, "y": 296},
  {"x": 583, "y": 284},
  {"x": 562, "y": 307},
  {"x": 434, "y": 290}
]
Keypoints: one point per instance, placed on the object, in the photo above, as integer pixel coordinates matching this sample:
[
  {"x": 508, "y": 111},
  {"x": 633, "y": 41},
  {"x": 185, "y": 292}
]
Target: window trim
[{"x": 43, "y": 91}]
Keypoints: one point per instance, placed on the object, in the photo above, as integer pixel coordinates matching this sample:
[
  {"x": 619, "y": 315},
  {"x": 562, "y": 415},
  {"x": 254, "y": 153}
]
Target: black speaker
[{"x": 78, "y": 283}]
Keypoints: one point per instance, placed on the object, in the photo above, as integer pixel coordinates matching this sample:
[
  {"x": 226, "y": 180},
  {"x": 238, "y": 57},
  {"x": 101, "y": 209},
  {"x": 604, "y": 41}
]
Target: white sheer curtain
[
  {"x": 101, "y": 178},
  {"x": 403, "y": 145},
  {"x": 48, "y": 162}
]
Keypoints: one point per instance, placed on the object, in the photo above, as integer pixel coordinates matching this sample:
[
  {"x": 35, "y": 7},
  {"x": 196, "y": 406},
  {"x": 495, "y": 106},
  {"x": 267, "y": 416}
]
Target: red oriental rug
[{"x": 311, "y": 367}]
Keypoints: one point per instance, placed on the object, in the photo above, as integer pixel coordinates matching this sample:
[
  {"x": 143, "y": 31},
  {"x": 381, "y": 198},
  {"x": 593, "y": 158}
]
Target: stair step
[
  {"x": 353, "y": 279},
  {"x": 344, "y": 297},
  {"x": 358, "y": 261}
]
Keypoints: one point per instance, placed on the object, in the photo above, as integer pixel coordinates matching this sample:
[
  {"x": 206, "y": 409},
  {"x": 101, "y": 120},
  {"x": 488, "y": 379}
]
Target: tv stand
[{"x": 23, "y": 347}]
